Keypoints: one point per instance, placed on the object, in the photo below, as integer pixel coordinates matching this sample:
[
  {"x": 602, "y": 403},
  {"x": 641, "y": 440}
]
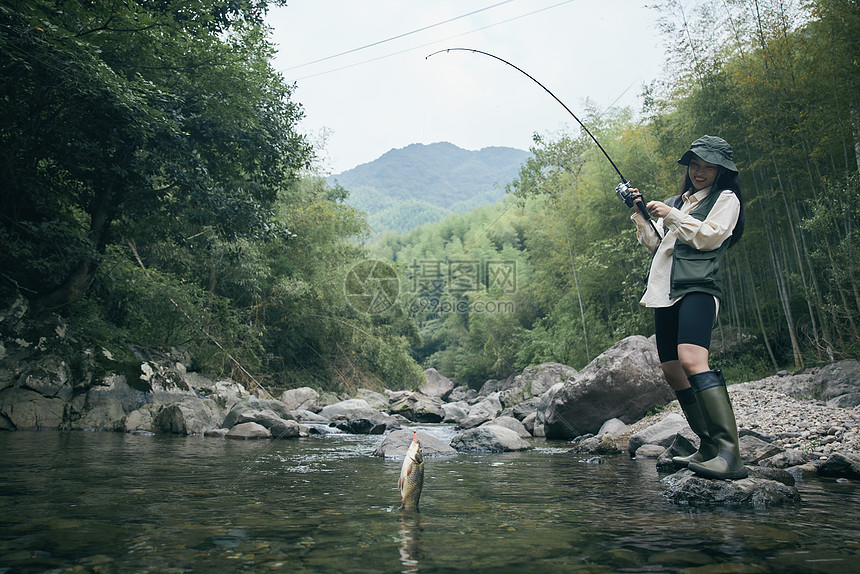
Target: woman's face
[{"x": 702, "y": 173}]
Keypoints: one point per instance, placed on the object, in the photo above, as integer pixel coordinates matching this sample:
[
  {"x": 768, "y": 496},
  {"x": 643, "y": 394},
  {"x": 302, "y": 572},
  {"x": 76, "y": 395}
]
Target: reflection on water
[{"x": 110, "y": 502}]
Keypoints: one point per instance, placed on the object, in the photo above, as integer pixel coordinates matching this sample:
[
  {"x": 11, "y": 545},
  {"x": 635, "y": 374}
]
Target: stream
[{"x": 116, "y": 503}]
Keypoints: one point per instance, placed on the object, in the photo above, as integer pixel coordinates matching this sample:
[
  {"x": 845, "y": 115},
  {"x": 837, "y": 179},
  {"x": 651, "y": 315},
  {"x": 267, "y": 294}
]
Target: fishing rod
[{"x": 624, "y": 190}]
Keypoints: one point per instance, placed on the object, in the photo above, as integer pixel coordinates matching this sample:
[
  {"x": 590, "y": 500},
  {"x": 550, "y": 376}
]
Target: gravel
[{"x": 768, "y": 409}]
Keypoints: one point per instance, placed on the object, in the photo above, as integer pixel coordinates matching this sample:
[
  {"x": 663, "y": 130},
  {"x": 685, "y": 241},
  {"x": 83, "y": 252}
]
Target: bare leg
[
  {"x": 693, "y": 359},
  {"x": 675, "y": 375}
]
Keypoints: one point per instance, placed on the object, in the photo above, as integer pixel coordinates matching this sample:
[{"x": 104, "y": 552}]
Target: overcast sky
[{"x": 384, "y": 93}]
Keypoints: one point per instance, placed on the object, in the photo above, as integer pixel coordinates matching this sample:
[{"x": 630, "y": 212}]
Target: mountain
[{"x": 420, "y": 183}]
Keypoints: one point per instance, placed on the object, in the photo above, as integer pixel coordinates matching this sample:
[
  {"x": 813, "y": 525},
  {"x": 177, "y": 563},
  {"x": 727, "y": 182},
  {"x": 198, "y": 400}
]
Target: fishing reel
[
  {"x": 627, "y": 194},
  {"x": 633, "y": 199}
]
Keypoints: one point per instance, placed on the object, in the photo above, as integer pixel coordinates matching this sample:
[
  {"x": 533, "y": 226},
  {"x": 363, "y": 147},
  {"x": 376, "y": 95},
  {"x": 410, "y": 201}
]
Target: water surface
[{"x": 112, "y": 502}]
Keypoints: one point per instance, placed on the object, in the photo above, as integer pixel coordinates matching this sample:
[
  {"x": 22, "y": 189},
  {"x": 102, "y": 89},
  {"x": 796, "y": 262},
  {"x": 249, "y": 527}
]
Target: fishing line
[{"x": 624, "y": 187}]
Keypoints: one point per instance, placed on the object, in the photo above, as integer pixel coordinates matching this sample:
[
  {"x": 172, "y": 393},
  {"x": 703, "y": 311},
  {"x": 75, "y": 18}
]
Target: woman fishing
[{"x": 684, "y": 289}]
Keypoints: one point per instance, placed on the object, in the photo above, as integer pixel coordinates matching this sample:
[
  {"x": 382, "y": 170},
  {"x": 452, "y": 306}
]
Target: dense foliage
[
  {"x": 777, "y": 80},
  {"x": 157, "y": 193}
]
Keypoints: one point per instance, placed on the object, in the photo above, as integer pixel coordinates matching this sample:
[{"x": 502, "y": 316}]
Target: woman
[{"x": 684, "y": 288}]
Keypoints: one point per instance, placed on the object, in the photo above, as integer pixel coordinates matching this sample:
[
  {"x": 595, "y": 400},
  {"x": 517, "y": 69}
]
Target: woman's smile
[{"x": 702, "y": 173}]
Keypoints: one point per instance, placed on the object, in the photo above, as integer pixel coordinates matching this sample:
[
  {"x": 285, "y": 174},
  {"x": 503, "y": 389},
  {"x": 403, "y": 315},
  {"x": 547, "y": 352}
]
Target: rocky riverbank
[{"x": 789, "y": 424}]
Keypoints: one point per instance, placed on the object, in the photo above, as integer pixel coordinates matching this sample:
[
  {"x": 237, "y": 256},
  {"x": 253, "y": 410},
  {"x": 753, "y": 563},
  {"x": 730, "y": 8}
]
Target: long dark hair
[{"x": 726, "y": 179}]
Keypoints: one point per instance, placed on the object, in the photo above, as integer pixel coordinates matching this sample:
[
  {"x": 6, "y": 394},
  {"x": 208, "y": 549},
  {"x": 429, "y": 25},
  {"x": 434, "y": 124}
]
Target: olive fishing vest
[{"x": 694, "y": 270}]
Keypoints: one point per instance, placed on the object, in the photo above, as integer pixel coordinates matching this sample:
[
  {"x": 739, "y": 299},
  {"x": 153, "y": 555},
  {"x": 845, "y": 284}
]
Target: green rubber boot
[
  {"x": 713, "y": 399},
  {"x": 708, "y": 449}
]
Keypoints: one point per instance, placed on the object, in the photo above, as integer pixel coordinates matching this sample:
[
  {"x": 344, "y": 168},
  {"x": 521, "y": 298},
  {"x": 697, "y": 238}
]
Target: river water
[{"x": 116, "y": 503}]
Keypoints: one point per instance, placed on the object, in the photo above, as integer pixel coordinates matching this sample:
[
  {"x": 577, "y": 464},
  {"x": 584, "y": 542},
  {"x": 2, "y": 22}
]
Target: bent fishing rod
[{"x": 624, "y": 190}]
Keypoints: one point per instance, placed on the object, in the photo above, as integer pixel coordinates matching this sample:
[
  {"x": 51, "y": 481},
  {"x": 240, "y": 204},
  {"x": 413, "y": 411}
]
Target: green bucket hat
[{"x": 711, "y": 149}]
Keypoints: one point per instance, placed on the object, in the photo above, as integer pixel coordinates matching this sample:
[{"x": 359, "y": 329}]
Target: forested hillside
[
  {"x": 421, "y": 183},
  {"x": 779, "y": 82}
]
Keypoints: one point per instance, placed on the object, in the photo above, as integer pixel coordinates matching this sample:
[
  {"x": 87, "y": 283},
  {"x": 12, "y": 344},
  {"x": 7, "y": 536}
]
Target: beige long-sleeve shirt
[{"x": 704, "y": 235}]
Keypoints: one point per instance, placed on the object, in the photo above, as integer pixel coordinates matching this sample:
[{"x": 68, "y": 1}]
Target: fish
[{"x": 411, "y": 475}]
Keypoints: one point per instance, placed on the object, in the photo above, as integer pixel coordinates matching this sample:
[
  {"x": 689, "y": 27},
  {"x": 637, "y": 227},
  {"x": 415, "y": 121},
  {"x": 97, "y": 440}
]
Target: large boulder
[
  {"x": 510, "y": 423},
  {"x": 485, "y": 410},
  {"x": 489, "y": 438},
  {"x": 348, "y": 409},
  {"x": 377, "y": 401},
  {"x": 624, "y": 382},
  {"x": 416, "y": 407},
  {"x": 303, "y": 398},
  {"x": 248, "y": 431},
  {"x": 191, "y": 416},
  {"x": 252, "y": 404},
  {"x": 841, "y": 465},
  {"x": 533, "y": 382},
  {"x": 26, "y": 409},
  {"x": 436, "y": 385},
  {"x": 838, "y": 384},
  {"x": 685, "y": 487}
]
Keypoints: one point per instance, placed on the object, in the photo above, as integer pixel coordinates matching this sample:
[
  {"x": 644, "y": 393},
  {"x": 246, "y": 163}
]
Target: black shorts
[{"x": 687, "y": 321}]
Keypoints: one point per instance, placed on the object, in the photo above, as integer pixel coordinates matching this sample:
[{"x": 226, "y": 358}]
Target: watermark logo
[
  {"x": 434, "y": 286},
  {"x": 372, "y": 287}
]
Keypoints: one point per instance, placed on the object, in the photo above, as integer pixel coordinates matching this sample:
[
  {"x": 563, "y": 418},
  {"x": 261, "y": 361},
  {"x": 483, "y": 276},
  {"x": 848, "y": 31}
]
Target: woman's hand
[{"x": 658, "y": 209}]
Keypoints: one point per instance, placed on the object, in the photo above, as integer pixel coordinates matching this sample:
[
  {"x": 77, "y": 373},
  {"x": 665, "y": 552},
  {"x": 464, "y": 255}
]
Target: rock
[
  {"x": 303, "y": 398},
  {"x": 754, "y": 449},
  {"x": 681, "y": 446},
  {"x": 483, "y": 411},
  {"x": 613, "y": 427},
  {"x": 838, "y": 379},
  {"x": 522, "y": 410},
  {"x": 776, "y": 474},
  {"x": 49, "y": 376},
  {"x": 192, "y": 416},
  {"x": 662, "y": 434},
  {"x": 840, "y": 465},
  {"x": 624, "y": 382},
  {"x": 216, "y": 433},
  {"x": 106, "y": 405},
  {"x": 224, "y": 392},
  {"x": 510, "y": 423},
  {"x": 377, "y": 423},
  {"x": 252, "y": 404},
  {"x": 541, "y": 409},
  {"x": 649, "y": 451},
  {"x": 529, "y": 424},
  {"x": 416, "y": 407},
  {"x": 25, "y": 409},
  {"x": 462, "y": 393},
  {"x": 349, "y": 409},
  {"x": 598, "y": 445},
  {"x": 377, "y": 401},
  {"x": 397, "y": 442},
  {"x": 533, "y": 382},
  {"x": 436, "y": 385},
  {"x": 685, "y": 487},
  {"x": 456, "y": 412},
  {"x": 784, "y": 459},
  {"x": 304, "y": 416},
  {"x": 279, "y": 427},
  {"x": 845, "y": 401},
  {"x": 491, "y": 386},
  {"x": 489, "y": 438},
  {"x": 247, "y": 431}
]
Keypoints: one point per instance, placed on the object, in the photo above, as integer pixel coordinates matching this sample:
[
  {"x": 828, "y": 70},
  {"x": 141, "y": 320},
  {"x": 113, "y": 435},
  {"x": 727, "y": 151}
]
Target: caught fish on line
[{"x": 411, "y": 475}]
